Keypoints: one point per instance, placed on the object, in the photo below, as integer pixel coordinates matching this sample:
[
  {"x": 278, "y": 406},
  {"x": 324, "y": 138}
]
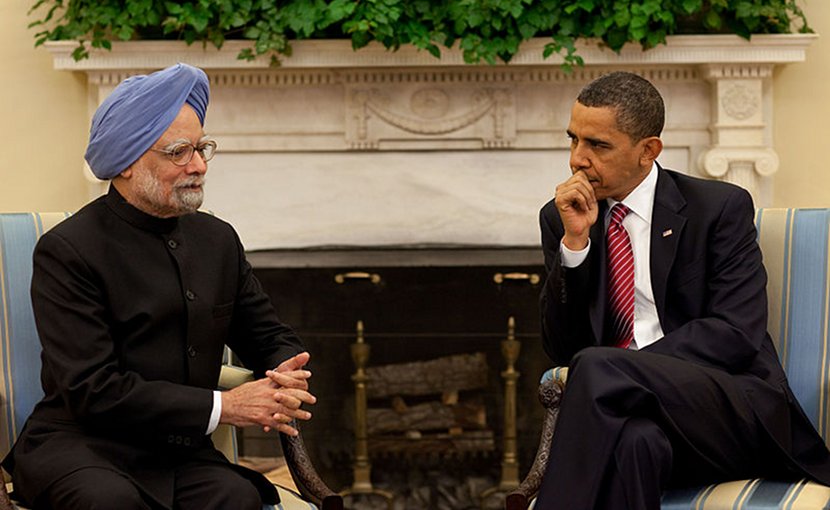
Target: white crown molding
[{"x": 309, "y": 54}]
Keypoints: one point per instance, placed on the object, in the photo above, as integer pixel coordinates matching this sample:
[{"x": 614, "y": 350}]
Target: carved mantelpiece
[{"x": 337, "y": 147}]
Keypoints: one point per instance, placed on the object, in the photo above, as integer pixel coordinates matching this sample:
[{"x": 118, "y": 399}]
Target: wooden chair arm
[
  {"x": 309, "y": 483},
  {"x": 5, "y": 501},
  {"x": 550, "y": 394}
]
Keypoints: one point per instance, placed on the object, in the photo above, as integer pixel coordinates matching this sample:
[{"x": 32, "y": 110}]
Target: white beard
[{"x": 182, "y": 199}]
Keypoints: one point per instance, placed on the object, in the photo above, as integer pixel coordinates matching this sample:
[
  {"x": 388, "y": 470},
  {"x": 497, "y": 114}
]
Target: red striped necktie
[{"x": 620, "y": 278}]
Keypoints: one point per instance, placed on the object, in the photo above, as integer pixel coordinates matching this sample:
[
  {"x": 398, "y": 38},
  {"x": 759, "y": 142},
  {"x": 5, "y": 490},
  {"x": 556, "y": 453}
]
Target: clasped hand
[{"x": 273, "y": 401}]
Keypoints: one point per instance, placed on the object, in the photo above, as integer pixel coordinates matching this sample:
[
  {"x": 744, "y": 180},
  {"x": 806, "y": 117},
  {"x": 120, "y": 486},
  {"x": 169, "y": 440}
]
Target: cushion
[
  {"x": 290, "y": 500},
  {"x": 750, "y": 495}
]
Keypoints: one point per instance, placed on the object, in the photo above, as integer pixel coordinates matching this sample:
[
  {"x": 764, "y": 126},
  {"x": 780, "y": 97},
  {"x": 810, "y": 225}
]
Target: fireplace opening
[{"x": 416, "y": 306}]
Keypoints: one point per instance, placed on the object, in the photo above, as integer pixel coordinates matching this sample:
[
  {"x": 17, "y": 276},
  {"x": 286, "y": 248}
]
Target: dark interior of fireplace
[{"x": 416, "y": 305}]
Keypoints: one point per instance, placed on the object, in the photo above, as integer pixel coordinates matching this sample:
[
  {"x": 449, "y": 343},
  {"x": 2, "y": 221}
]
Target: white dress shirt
[
  {"x": 637, "y": 223},
  {"x": 215, "y": 413}
]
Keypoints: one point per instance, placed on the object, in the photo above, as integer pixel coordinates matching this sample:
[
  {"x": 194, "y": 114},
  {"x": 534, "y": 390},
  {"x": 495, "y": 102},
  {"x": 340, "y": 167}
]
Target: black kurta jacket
[{"x": 133, "y": 313}]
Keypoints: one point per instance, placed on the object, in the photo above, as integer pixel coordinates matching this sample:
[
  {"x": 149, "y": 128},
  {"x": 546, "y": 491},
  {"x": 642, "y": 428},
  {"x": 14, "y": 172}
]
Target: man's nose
[
  {"x": 579, "y": 158},
  {"x": 197, "y": 164}
]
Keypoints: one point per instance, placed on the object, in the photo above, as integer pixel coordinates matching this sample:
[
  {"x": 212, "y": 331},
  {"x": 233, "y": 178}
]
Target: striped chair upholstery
[
  {"x": 795, "y": 245},
  {"x": 20, "y": 386}
]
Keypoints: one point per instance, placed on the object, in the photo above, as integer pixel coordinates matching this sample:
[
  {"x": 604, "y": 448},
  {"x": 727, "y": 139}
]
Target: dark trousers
[
  {"x": 633, "y": 423},
  {"x": 198, "y": 486}
]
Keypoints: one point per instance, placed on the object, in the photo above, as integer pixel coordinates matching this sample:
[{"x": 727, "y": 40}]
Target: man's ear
[
  {"x": 127, "y": 172},
  {"x": 652, "y": 147}
]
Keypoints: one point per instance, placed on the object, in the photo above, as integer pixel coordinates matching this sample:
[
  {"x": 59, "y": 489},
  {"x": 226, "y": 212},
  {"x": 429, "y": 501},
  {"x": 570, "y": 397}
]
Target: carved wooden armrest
[
  {"x": 308, "y": 482},
  {"x": 5, "y": 501},
  {"x": 550, "y": 394}
]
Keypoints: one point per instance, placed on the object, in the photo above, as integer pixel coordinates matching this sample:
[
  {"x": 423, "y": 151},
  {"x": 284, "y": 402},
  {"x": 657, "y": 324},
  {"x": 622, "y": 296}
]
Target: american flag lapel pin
[{"x": 667, "y": 233}]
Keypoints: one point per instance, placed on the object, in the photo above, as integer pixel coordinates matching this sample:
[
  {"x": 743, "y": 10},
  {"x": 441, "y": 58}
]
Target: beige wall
[
  {"x": 802, "y": 120},
  {"x": 44, "y": 127},
  {"x": 43, "y": 123}
]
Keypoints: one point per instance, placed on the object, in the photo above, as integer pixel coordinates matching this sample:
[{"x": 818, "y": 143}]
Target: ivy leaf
[
  {"x": 339, "y": 9},
  {"x": 80, "y": 52},
  {"x": 692, "y": 6},
  {"x": 246, "y": 54},
  {"x": 527, "y": 30},
  {"x": 200, "y": 21},
  {"x": 475, "y": 18},
  {"x": 622, "y": 17},
  {"x": 125, "y": 33},
  {"x": 712, "y": 20},
  {"x": 173, "y": 8}
]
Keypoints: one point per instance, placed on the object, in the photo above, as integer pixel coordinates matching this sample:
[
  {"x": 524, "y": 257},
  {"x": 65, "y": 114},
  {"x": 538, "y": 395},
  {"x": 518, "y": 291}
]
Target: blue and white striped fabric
[
  {"x": 795, "y": 244},
  {"x": 19, "y": 345},
  {"x": 795, "y": 247},
  {"x": 20, "y": 349}
]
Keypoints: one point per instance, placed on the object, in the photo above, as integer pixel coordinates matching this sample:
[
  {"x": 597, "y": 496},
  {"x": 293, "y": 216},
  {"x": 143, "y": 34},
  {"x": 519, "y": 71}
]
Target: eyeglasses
[{"x": 182, "y": 153}]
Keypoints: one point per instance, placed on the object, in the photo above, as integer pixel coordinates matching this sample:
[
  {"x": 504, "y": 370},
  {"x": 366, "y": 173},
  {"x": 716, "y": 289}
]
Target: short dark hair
[{"x": 639, "y": 107}]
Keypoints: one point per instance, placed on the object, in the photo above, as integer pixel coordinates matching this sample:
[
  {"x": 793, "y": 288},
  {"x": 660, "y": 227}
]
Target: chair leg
[{"x": 550, "y": 394}]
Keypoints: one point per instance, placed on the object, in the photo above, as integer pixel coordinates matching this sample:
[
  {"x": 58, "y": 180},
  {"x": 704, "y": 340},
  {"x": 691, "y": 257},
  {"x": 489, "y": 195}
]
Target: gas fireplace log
[
  {"x": 472, "y": 443},
  {"x": 450, "y": 373},
  {"x": 427, "y": 416}
]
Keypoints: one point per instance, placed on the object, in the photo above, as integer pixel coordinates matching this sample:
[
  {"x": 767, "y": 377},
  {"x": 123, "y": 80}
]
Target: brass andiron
[
  {"x": 510, "y": 348},
  {"x": 362, "y": 467}
]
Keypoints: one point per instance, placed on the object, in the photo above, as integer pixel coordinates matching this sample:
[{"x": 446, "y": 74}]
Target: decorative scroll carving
[
  {"x": 430, "y": 103},
  {"x": 739, "y": 102},
  {"x": 741, "y": 166},
  {"x": 550, "y": 394},
  {"x": 716, "y": 162},
  {"x": 482, "y": 102},
  {"x": 740, "y": 152},
  {"x": 430, "y": 112},
  {"x": 305, "y": 476}
]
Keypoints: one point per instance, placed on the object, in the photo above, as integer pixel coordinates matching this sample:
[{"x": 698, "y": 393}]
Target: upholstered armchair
[
  {"x": 794, "y": 243},
  {"x": 20, "y": 386}
]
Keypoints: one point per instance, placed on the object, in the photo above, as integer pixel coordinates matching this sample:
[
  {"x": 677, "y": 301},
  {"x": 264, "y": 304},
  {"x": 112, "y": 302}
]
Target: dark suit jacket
[
  {"x": 133, "y": 313},
  {"x": 709, "y": 288}
]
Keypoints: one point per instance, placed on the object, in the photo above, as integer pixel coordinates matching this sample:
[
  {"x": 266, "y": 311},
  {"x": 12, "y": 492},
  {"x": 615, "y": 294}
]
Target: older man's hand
[{"x": 272, "y": 402}]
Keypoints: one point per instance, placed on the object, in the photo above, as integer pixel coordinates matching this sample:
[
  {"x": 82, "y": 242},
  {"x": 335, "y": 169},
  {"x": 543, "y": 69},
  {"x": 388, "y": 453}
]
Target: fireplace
[{"x": 415, "y": 304}]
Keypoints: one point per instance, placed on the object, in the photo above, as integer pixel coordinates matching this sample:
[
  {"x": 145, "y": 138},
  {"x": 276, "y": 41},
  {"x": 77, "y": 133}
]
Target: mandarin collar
[{"x": 137, "y": 217}]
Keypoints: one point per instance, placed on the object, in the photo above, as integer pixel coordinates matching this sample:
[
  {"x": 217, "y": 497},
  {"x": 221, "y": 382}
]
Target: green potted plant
[{"x": 486, "y": 30}]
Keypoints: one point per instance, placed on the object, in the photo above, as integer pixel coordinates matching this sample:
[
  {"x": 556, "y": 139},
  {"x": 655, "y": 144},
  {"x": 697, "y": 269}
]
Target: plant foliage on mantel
[{"x": 486, "y": 30}]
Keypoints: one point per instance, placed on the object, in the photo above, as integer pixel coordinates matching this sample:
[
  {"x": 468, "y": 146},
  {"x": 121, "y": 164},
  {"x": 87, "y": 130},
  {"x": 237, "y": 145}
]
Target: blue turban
[{"x": 138, "y": 112}]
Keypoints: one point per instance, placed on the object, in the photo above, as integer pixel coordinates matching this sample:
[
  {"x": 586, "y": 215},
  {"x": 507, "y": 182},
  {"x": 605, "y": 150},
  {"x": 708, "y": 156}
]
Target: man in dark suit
[
  {"x": 656, "y": 300},
  {"x": 135, "y": 297}
]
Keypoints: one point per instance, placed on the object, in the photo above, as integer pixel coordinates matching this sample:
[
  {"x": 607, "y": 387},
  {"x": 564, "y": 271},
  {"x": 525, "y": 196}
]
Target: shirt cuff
[
  {"x": 572, "y": 258},
  {"x": 216, "y": 413}
]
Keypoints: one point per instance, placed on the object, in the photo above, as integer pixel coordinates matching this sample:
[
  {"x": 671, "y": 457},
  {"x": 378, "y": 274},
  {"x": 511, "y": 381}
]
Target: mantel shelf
[{"x": 309, "y": 54}]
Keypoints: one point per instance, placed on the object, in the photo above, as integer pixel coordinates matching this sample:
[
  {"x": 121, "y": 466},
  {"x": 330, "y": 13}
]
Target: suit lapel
[{"x": 667, "y": 224}]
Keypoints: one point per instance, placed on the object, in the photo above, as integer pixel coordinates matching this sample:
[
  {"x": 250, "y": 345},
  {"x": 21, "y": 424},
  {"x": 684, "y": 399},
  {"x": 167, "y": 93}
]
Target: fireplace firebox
[{"x": 417, "y": 305}]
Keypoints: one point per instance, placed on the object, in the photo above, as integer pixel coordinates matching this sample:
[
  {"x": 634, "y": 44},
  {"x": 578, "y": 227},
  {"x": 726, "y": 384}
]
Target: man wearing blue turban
[{"x": 135, "y": 297}]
